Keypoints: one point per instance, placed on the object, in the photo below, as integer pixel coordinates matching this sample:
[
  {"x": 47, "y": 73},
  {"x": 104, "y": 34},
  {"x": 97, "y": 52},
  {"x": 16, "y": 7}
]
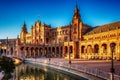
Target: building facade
[
  {"x": 77, "y": 40},
  {"x": 7, "y": 46},
  {"x": 43, "y": 40}
]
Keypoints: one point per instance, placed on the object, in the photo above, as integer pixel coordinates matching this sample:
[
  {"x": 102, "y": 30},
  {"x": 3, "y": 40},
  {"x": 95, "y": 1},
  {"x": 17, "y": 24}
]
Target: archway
[
  {"x": 40, "y": 52},
  {"x": 49, "y": 50},
  {"x": 65, "y": 50},
  {"x": 104, "y": 48},
  {"x": 61, "y": 51},
  {"x": 96, "y": 48},
  {"x": 36, "y": 52},
  {"x": 32, "y": 52},
  {"x": 57, "y": 51},
  {"x": 22, "y": 51},
  {"x": 53, "y": 51},
  {"x": 114, "y": 51},
  {"x": 89, "y": 49},
  {"x": 26, "y": 52},
  {"x": 71, "y": 49},
  {"x": 45, "y": 51},
  {"x": 82, "y": 49}
]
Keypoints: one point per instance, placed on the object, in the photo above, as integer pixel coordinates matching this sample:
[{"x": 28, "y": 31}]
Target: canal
[{"x": 28, "y": 71}]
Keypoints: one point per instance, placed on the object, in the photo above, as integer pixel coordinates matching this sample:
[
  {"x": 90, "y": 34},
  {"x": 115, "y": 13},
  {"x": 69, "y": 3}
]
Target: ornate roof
[{"x": 104, "y": 28}]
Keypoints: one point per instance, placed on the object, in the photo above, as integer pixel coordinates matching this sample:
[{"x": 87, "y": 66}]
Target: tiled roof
[
  {"x": 104, "y": 28},
  {"x": 3, "y": 41}
]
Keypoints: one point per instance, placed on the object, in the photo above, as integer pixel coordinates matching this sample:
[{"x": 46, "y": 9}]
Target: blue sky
[{"x": 13, "y": 13}]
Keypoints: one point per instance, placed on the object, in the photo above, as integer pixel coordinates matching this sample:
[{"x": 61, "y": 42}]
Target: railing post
[{"x": 111, "y": 76}]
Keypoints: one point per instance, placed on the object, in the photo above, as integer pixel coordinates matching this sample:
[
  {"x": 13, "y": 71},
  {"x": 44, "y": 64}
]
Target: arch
[
  {"x": 65, "y": 49},
  {"x": 82, "y": 49},
  {"x": 22, "y": 51},
  {"x": 96, "y": 48},
  {"x": 57, "y": 51},
  {"x": 71, "y": 49},
  {"x": 61, "y": 50},
  {"x": 89, "y": 49},
  {"x": 53, "y": 51},
  {"x": 32, "y": 52},
  {"x": 47, "y": 40},
  {"x": 36, "y": 52},
  {"x": 1, "y": 51},
  {"x": 21, "y": 48},
  {"x": 45, "y": 51},
  {"x": 104, "y": 48},
  {"x": 27, "y": 52},
  {"x": 114, "y": 46},
  {"x": 49, "y": 50},
  {"x": 40, "y": 51}
]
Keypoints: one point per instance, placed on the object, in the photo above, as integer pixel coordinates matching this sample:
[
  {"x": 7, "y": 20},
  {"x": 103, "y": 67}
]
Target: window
[
  {"x": 65, "y": 39},
  {"x": 59, "y": 40},
  {"x": 75, "y": 28}
]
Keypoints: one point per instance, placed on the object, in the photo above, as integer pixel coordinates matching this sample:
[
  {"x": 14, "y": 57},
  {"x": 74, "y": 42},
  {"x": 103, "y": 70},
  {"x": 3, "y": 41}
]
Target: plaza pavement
[{"x": 103, "y": 65}]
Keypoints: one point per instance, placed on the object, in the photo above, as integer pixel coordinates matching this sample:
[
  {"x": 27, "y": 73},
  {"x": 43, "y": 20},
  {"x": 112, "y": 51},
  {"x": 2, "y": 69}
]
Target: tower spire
[
  {"x": 24, "y": 29},
  {"x": 76, "y": 12},
  {"x": 76, "y": 4}
]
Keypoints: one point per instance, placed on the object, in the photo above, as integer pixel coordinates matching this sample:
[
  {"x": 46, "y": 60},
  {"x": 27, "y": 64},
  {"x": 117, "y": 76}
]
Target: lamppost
[
  {"x": 112, "y": 46},
  {"x": 69, "y": 46}
]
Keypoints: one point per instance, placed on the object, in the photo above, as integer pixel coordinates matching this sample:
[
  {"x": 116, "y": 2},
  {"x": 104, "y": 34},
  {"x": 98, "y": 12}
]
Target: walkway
[{"x": 80, "y": 67}]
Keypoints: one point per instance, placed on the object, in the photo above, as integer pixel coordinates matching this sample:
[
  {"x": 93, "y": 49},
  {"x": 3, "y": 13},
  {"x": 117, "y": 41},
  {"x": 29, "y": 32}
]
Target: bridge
[{"x": 17, "y": 59}]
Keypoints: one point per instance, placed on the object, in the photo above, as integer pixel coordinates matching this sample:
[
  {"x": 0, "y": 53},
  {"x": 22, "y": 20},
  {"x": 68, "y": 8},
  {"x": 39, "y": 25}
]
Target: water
[{"x": 29, "y": 71}]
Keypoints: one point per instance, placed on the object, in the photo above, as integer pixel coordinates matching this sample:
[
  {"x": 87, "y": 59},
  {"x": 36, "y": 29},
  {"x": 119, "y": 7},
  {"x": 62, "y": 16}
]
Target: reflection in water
[{"x": 36, "y": 72}]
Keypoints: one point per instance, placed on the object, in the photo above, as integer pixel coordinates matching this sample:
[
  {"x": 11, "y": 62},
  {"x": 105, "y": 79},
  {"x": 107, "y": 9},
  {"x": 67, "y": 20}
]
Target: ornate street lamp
[
  {"x": 69, "y": 46},
  {"x": 112, "y": 46}
]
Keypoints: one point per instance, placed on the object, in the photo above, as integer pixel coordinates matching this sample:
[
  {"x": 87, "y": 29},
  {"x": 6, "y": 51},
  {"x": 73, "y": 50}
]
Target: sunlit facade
[
  {"x": 43, "y": 40},
  {"x": 77, "y": 39}
]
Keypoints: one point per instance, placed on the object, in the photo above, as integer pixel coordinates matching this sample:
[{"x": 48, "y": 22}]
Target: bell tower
[
  {"x": 76, "y": 15},
  {"x": 76, "y": 24},
  {"x": 23, "y": 33}
]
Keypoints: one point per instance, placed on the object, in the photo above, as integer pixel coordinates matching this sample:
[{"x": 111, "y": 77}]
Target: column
[
  {"x": 63, "y": 53},
  {"x": 80, "y": 48},
  {"x": 55, "y": 51},
  {"x": 108, "y": 50},
  {"x": 38, "y": 53},
  {"x": 26, "y": 53},
  {"x": 34, "y": 53},
  {"x": 59, "y": 51},
  {"x": 117, "y": 51},
  {"x": 30, "y": 52},
  {"x": 100, "y": 51}
]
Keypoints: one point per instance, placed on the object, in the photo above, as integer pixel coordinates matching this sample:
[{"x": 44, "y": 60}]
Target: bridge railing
[
  {"x": 81, "y": 68},
  {"x": 85, "y": 69},
  {"x": 17, "y": 56}
]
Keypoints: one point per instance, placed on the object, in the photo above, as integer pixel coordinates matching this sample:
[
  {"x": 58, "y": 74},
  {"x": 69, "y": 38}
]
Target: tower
[
  {"x": 23, "y": 33},
  {"x": 76, "y": 25}
]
